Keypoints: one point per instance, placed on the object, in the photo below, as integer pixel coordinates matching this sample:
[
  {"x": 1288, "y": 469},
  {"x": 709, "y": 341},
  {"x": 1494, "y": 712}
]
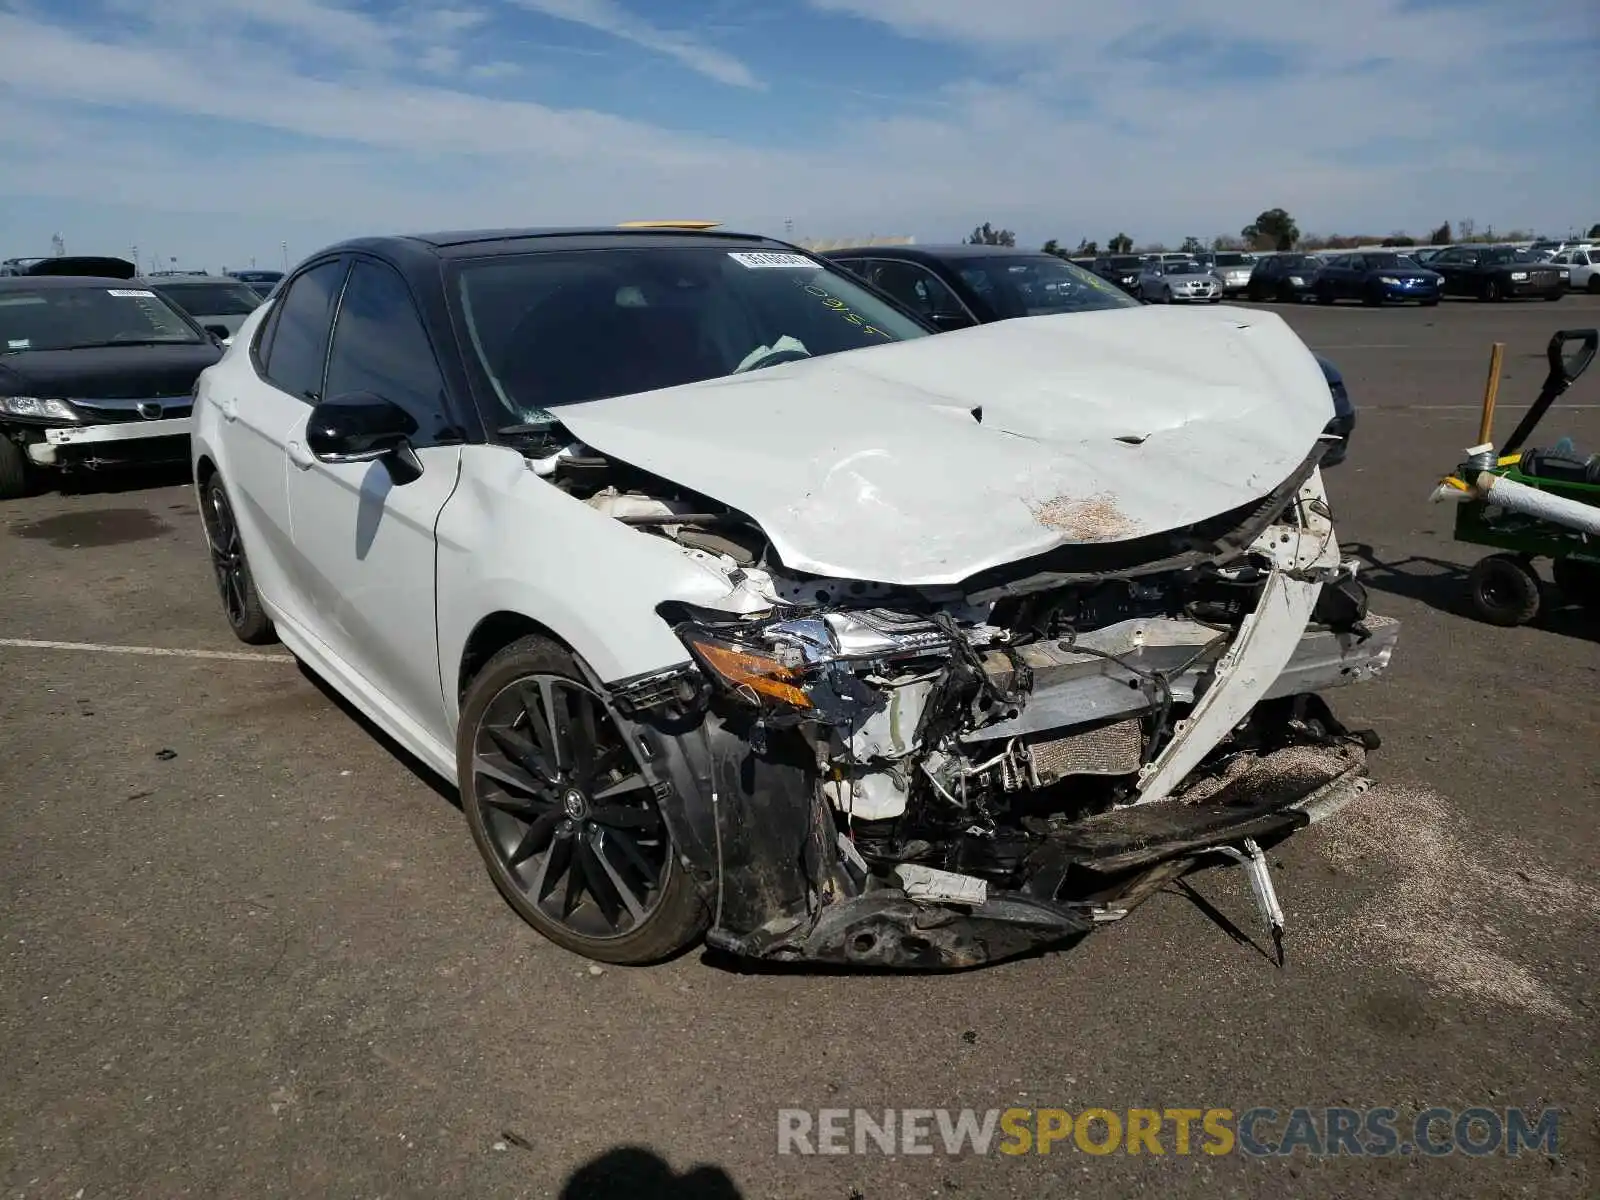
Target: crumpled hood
[{"x": 1090, "y": 427}]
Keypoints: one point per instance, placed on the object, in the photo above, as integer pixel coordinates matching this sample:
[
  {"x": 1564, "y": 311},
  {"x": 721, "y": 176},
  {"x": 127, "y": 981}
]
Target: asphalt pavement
[{"x": 248, "y": 949}]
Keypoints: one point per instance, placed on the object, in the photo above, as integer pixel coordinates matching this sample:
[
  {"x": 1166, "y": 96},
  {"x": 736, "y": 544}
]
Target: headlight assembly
[
  {"x": 38, "y": 408},
  {"x": 750, "y": 674},
  {"x": 797, "y": 661}
]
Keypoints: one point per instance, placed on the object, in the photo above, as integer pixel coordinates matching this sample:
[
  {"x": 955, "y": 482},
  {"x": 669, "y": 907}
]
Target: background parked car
[
  {"x": 1233, "y": 268},
  {"x": 94, "y": 371},
  {"x": 952, "y": 287},
  {"x": 1286, "y": 277},
  {"x": 1375, "y": 278},
  {"x": 1179, "y": 282},
  {"x": 261, "y": 281},
  {"x": 1121, "y": 269},
  {"x": 1497, "y": 273},
  {"x": 219, "y": 306},
  {"x": 1583, "y": 268}
]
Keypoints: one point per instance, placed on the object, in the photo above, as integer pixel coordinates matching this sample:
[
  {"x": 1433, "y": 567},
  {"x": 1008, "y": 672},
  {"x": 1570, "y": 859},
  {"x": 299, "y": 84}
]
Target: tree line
[{"x": 1273, "y": 229}]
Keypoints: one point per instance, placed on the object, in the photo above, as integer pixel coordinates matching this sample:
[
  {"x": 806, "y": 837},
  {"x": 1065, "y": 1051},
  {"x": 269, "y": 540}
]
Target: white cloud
[
  {"x": 376, "y": 147},
  {"x": 610, "y": 17}
]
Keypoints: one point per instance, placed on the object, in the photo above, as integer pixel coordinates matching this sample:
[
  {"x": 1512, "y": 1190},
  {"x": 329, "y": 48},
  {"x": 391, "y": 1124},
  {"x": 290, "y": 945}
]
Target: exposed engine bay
[{"x": 986, "y": 741}]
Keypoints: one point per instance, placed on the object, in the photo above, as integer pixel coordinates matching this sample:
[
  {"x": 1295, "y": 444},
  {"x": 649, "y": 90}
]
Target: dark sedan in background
[
  {"x": 262, "y": 282},
  {"x": 94, "y": 371},
  {"x": 1376, "y": 278},
  {"x": 219, "y": 306},
  {"x": 1121, "y": 269},
  {"x": 1286, "y": 277},
  {"x": 1498, "y": 273},
  {"x": 952, "y": 287}
]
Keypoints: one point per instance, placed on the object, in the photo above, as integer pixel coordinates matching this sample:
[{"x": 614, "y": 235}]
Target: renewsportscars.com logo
[{"x": 1259, "y": 1132}]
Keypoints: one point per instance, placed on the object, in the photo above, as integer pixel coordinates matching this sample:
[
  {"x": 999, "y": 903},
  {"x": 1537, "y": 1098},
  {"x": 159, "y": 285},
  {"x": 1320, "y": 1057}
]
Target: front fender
[{"x": 508, "y": 541}]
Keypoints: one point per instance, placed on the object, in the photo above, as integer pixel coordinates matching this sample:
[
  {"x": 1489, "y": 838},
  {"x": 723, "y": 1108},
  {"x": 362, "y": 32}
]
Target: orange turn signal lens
[{"x": 746, "y": 669}]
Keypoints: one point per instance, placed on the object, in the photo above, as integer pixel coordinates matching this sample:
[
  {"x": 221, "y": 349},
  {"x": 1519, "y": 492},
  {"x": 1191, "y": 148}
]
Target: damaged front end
[{"x": 878, "y": 775}]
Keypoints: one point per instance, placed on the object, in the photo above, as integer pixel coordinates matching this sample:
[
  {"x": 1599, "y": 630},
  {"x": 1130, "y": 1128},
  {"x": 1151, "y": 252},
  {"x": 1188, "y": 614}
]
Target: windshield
[
  {"x": 1037, "y": 285},
  {"x": 1125, "y": 262},
  {"x": 1185, "y": 268},
  {"x": 212, "y": 299},
  {"x": 569, "y": 326},
  {"x": 77, "y": 317},
  {"x": 1229, "y": 258},
  {"x": 1506, "y": 254},
  {"x": 1384, "y": 262}
]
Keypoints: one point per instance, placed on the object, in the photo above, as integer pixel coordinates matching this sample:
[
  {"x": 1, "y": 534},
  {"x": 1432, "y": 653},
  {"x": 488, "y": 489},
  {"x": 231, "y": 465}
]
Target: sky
[{"x": 217, "y": 132}]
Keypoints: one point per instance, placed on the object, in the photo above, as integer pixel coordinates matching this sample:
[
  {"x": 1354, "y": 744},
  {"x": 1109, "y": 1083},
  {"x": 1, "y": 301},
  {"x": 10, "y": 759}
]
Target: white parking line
[{"x": 156, "y": 651}]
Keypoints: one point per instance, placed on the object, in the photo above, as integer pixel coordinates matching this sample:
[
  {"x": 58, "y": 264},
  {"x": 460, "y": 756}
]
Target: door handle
[{"x": 301, "y": 457}]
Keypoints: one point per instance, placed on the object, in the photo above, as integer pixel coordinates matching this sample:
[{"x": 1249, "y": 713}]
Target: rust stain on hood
[{"x": 1086, "y": 518}]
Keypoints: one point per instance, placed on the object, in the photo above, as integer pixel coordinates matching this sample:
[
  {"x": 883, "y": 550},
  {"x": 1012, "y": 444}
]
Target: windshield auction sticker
[
  {"x": 765, "y": 258},
  {"x": 133, "y": 292}
]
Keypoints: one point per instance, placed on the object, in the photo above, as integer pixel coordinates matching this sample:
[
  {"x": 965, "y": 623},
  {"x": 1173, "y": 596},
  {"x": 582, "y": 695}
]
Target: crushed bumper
[
  {"x": 1093, "y": 872},
  {"x": 128, "y": 442}
]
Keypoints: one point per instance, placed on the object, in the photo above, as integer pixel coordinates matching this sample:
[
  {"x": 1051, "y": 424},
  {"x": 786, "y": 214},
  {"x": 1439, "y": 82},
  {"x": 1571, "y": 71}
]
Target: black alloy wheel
[
  {"x": 1492, "y": 289},
  {"x": 563, "y": 814},
  {"x": 240, "y": 601}
]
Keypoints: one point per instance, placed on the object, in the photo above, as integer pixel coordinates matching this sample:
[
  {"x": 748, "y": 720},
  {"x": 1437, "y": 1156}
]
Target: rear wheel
[
  {"x": 1579, "y": 581},
  {"x": 14, "y": 474},
  {"x": 240, "y": 600},
  {"x": 1324, "y": 294},
  {"x": 1504, "y": 590},
  {"x": 563, "y": 815}
]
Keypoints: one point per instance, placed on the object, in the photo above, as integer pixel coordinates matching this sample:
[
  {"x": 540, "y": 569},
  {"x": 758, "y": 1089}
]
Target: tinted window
[
  {"x": 380, "y": 346},
  {"x": 299, "y": 339},
  {"x": 1037, "y": 285},
  {"x": 913, "y": 286},
  {"x": 212, "y": 299},
  {"x": 68, "y": 318},
  {"x": 562, "y": 327}
]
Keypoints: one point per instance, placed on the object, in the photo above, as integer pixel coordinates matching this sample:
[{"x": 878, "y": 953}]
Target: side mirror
[
  {"x": 220, "y": 332},
  {"x": 364, "y": 427}
]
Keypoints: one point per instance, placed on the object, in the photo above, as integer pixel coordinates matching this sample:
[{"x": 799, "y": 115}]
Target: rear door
[
  {"x": 364, "y": 545},
  {"x": 260, "y": 410}
]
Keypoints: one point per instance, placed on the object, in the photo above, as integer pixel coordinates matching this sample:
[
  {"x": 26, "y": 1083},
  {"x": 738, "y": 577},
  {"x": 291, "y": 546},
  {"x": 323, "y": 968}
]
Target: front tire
[
  {"x": 241, "y": 603},
  {"x": 564, "y": 817},
  {"x": 1504, "y": 590},
  {"x": 1492, "y": 290},
  {"x": 1593, "y": 286},
  {"x": 14, "y": 473}
]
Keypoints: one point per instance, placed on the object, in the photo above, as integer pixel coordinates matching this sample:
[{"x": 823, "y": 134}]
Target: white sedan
[{"x": 738, "y": 607}]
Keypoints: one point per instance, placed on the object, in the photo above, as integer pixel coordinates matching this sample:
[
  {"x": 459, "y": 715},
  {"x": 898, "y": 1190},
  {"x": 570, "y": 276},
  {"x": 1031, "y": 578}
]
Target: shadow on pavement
[
  {"x": 411, "y": 762},
  {"x": 631, "y": 1172},
  {"x": 1442, "y": 586},
  {"x": 112, "y": 480}
]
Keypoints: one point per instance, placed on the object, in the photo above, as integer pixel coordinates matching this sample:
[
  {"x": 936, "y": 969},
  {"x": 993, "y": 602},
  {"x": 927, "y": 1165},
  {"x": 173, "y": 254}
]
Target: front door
[
  {"x": 364, "y": 544},
  {"x": 260, "y": 409}
]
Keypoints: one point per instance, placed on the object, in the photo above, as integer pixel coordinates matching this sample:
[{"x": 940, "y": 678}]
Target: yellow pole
[{"x": 1491, "y": 389}]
